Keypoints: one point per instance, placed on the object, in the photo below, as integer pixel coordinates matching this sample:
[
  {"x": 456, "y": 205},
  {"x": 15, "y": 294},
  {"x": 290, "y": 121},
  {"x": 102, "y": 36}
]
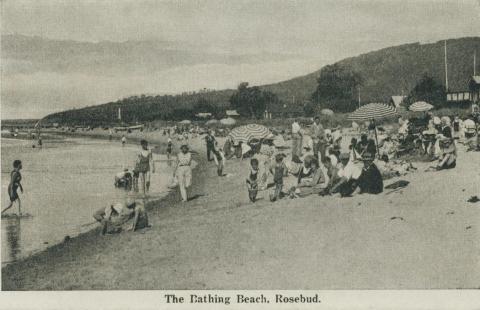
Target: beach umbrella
[
  {"x": 469, "y": 124},
  {"x": 185, "y": 122},
  {"x": 372, "y": 111},
  {"x": 248, "y": 132},
  {"x": 228, "y": 121},
  {"x": 421, "y": 106},
  {"x": 327, "y": 112},
  {"x": 211, "y": 122}
]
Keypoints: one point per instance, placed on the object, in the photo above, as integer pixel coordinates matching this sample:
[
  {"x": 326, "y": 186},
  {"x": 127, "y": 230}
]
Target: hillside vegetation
[{"x": 386, "y": 72}]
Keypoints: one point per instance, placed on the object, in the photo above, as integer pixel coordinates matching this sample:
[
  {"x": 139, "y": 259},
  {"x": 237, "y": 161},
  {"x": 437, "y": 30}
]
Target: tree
[
  {"x": 429, "y": 90},
  {"x": 203, "y": 106},
  {"x": 251, "y": 101},
  {"x": 309, "y": 108},
  {"x": 337, "y": 88}
]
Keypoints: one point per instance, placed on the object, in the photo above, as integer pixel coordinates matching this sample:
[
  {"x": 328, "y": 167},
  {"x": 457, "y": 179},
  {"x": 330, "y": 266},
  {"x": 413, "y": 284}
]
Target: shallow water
[{"x": 64, "y": 183}]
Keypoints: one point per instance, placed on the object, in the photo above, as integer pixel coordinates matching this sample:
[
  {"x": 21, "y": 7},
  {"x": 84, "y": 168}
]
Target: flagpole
[{"x": 446, "y": 68}]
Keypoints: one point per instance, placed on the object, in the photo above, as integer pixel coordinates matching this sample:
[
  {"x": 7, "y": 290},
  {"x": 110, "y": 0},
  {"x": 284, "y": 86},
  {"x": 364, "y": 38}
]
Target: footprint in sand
[
  {"x": 450, "y": 213},
  {"x": 468, "y": 227},
  {"x": 397, "y": 218}
]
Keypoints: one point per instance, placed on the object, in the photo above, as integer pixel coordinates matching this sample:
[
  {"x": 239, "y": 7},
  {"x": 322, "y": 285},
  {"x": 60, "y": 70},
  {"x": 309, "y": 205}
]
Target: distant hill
[
  {"x": 386, "y": 72},
  {"x": 396, "y": 70}
]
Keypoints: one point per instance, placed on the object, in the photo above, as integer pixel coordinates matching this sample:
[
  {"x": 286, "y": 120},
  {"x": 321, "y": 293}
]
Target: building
[
  {"x": 396, "y": 101},
  {"x": 458, "y": 96},
  {"x": 474, "y": 88}
]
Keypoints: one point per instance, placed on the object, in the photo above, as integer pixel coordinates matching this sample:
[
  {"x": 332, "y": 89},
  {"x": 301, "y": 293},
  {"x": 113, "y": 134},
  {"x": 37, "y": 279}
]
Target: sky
[{"x": 314, "y": 33}]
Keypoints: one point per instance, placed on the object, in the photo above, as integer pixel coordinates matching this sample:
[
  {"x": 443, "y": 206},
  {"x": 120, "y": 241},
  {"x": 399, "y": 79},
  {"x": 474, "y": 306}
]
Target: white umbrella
[
  {"x": 327, "y": 112},
  {"x": 228, "y": 121},
  {"x": 421, "y": 106},
  {"x": 211, "y": 122}
]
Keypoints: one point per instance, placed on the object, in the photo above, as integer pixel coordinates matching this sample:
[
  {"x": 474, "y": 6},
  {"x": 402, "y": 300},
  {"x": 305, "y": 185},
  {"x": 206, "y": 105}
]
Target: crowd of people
[{"x": 320, "y": 162}]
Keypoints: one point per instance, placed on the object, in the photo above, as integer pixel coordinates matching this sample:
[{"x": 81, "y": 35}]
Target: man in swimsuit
[
  {"x": 145, "y": 165},
  {"x": 15, "y": 178}
]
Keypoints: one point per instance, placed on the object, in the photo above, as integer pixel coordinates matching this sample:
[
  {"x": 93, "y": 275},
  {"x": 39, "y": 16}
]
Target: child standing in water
[
  {"x": 252, "y": 180},
  {"x": 14, "y": 185},
  {"x": 278, "y": 170}
]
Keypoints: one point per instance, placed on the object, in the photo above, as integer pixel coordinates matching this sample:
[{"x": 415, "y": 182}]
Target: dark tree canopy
[
  {"x": 251, "y": 101},
  {"x": 427, "y": 89},
  {"x": 337, "y": 89}
]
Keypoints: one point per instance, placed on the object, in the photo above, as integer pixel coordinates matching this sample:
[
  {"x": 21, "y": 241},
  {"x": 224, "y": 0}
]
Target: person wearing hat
[
  {"x": 183, "y": 171},
  {"x": 348, "y": 173},
  {"x": 210, "y": 142},
  {"x": 116, "y": 215},
  {"x": 370, "y": 181},
  {"x": 448, "y": 158}
]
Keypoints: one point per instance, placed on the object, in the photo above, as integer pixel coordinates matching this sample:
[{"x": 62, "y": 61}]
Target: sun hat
[{"x": 184, "y": 146}]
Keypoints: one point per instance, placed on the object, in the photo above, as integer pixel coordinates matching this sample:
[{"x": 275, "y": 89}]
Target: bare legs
[{"x": 11, "y": 205}]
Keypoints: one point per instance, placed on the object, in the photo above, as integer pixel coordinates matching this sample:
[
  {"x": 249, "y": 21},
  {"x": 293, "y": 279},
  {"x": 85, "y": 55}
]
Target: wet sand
[{"x": 422, "y": 237}]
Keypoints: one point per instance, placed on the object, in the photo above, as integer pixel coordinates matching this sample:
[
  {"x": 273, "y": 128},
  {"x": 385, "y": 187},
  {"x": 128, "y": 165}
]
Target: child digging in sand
[
  {"x": 252, "y": 180},
  {"x": 278, "y": 170}
]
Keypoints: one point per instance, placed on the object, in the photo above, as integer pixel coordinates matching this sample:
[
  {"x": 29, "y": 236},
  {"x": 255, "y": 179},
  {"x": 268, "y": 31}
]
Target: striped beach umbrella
[
  {"x": 420, "y": 106},
  {"x": 248, "y": 132},
  {"x": 372, "y": 111}
]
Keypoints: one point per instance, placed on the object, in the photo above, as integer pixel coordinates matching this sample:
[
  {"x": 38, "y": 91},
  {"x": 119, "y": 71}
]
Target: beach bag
[{"x": 173, "y": 182}]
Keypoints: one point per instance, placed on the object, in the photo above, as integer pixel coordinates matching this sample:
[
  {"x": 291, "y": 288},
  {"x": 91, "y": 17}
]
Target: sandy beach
[{"x": 423, "y": 236}]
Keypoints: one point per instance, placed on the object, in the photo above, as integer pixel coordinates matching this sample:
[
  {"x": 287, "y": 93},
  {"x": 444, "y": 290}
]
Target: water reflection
[{"x": 12, "y": 228}]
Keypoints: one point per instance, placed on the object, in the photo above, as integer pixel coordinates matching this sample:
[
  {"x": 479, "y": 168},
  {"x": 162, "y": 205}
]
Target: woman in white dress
[{"x": 183, "y": 171}]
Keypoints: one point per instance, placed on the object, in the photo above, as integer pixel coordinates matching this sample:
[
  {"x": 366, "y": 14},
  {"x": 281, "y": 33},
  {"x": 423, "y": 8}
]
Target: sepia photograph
[{"x": 214, "y": 145}]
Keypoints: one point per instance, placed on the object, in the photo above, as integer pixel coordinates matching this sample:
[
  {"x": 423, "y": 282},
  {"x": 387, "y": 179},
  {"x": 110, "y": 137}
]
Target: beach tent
[
  {"x": 212, "y": 122},
  {"x": 420, "y": 106},
  {"x": 327, "y": 112},
  {"x": 248, "y": 132},
  {"x": 228, "y": 121},
  {"x": 185, "y": 122}
]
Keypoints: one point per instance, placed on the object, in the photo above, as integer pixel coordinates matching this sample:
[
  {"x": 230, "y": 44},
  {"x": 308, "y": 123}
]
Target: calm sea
[{"x": 64, "y": 182}]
